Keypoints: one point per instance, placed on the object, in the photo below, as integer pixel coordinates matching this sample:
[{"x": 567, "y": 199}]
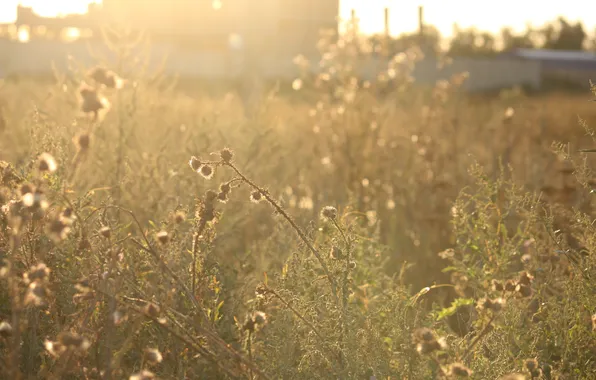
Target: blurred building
[
  {"x": 282, "y": 26},
  {"x": 574, "y": 67}
]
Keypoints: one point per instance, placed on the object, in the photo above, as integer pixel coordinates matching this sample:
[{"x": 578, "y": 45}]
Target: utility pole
[{"x": 420, "y": 25}]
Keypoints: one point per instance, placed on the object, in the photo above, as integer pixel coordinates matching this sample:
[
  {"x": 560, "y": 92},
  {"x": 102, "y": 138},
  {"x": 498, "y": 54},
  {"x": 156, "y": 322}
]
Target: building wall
[{"x": 36, "y": 58}]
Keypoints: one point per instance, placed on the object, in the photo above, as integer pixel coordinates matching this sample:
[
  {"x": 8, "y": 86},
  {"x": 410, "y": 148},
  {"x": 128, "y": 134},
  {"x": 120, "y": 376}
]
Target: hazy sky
[{"x": 487, "y": 15}]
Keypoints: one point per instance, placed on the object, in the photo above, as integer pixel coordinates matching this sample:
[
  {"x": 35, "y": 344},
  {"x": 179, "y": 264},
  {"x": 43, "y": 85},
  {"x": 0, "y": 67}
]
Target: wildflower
[
  {"x": 459, "y": 370},
  {"x": 206, "y": 171},
  {"x": 47, "y": 163},
  {"x": 82, "y": 141},
  {"x": 163, "y": 237},
  {"x": 226, "y": 155},
  {"x": 153, "y": 355},
  {"x": 5, "y": 329},
  {"x": 256, "y": 196},
  {"x": 194, "y": 163},
  {"x": 106, "y": 232},
  {"x": 143, "y": 375},
  {"x": 329, "y": 212}
]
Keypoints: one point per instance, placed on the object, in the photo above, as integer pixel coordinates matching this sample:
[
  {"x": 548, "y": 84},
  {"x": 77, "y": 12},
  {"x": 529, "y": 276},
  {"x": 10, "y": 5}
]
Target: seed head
[
  {"x": 329, "y": 212},
  {"x": 194, "y": 163},
  {"x": 226, "y": 155},
  {"x": 47, "y": 163},
  {"x": 206, "y": 171},
  {"x": 36, "y": 294},
  {"x": 497, "y": 286},
  {"x": 163, "y": 237},
  {"x": 352, "y": 265},
  {"x": 256, "y": 196},
  {"x": 153, "y": 355},
  {"x": 225, "y": 188},
  {"x": 26, "y": 188}
]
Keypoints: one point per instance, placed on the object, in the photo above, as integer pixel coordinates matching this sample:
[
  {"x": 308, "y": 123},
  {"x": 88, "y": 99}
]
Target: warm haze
[{"x": 490, "y": 16}]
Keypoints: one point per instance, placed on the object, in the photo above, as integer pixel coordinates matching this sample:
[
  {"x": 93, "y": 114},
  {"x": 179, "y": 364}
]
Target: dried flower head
[
  {"x": 497, "y": 286},
  {"x": 73, "y": 340},
  {"x": 152, "y": 310},
  {"x": 256, "y": 196},
  {"x": 36, "y": 294},
  {"x": 194, "y": 163},
  {"x": 106, "y": 232},
  {"x": 143, "y": 375},
  {"x": 336, "y": 253},
  {"x": 5, "y": 329},
  {"x": 426, "y": 341},
  {"x": 179, "y": 217},
  {"x": 329, "y": 212},
  {"x": 206, "y": 171},
  {"x": 494, "y": 305},
  {"x": 26, "y": 188},
  {"x": 459, "y": 370},
  {"x": 46, "y": 163},
  {"x": 153, "y": 355},
  {"x": 82, "y": 141},
  {"x": 57, "y": 230},
  {"x": 225, "y": 188},
  {"x": 163, "y": 237},
  {"x": 525, "y": 278},
  {"x": 523, "y": 290},
  {"x": 106, "y": 77},
  {"x": 531, "y": 364},
  {"x": 513, "y": 376},
  {"x": 35, "y": 201},
  {"x": 222, "y": 197},
  {"x": 260, "y": 318},
  {"x": 91, "y": 101},
  {"x": 39, "y": 272},
  {"x": 510, "y": 286},
  {"x": 226, "y": 155}
]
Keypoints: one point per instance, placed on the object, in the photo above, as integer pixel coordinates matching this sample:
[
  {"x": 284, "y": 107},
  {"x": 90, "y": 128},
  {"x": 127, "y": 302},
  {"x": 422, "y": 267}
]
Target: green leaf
[{"x": 449, "y": 311}]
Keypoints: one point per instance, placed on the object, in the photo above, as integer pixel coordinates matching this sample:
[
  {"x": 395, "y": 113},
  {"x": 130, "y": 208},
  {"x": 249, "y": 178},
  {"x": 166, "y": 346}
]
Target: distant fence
[{"x": 37, "y": 58}]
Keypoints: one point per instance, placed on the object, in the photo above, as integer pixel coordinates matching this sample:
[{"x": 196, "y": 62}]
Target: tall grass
[{"x": 339, "y": 229}]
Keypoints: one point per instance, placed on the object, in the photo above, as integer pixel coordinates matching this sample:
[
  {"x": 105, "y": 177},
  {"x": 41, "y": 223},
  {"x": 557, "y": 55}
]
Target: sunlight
[{"x": 24, "y": 34}]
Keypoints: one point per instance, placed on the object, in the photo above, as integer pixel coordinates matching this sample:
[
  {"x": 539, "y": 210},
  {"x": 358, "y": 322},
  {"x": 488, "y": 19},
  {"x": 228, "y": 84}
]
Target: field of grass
[{"x": 326, "y": 229}]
